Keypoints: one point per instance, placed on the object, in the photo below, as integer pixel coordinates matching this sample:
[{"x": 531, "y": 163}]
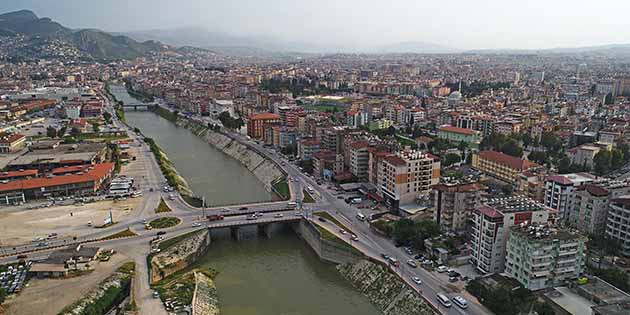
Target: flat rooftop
[
  {"x": 570, "y": 301},
  {"x": 515, "y": 204}
]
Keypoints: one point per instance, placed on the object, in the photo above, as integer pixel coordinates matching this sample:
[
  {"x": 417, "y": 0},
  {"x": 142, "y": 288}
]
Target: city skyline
[{"x": 356, "y": 25}]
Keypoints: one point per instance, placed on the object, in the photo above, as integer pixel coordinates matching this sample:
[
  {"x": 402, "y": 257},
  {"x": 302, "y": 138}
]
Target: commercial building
[
  {"x": 453, "y": 204},
  {"x": 49, "y": 155},
  {"x": 327, "y": 164},
  {"x": 11, "y": 142},
  {"x": 501, "y": 166},
  {"x": 491, "y": 225},
  {"x": 456, "y": 135},
  {"x": 82, "y": 183},
  {"x": 559, "y": 191},
  {"x": 256, "y": 124},
  {"x": 406, "y": 176},
  {"x": 540, "y": 256}
]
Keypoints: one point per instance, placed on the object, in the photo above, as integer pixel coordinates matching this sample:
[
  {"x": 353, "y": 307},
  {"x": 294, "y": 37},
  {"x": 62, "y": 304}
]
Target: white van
[
  {"x": 360, "y": 216},
  {"x": 460, "y": 301},
  {"x": 292, "y": 205},
  {"x": 444, "y": 300}
]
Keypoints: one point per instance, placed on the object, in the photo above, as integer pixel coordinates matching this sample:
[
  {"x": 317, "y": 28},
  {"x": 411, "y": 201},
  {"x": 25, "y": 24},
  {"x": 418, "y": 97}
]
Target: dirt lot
[
  {"x": 21, "y": 226},
  {"x": 49, "y": 296}
]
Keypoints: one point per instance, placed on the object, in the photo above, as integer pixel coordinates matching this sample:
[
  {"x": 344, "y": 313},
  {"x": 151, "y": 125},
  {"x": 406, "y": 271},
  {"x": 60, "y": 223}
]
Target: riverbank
[
  {"x": 264, "y": 169},
  {"x": 385, "y": 290}
]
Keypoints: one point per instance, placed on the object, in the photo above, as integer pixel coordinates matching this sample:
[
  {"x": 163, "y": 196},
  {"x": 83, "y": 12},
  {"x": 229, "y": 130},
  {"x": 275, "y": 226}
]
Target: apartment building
[
  {"x": 491, "y": 225},
  {"x": 11, "y": 142},
  {"x": 453, "y": 204},
  {"x": 618, "y": 222},
  {"x": 407, "y": 175},
  {"x": 501, "y": 166},
  {"x": 375, "y": 158},
  {"x": 306, "y": 148},
  {"x": 540, "y": 256},
  {"x": 590, "y": 204},
  {"x": 256, "y": 124},
  {"x": 531, "y": 184},
  {"x": 559, "y": 191},
  {"x": 359, "y": 159}
]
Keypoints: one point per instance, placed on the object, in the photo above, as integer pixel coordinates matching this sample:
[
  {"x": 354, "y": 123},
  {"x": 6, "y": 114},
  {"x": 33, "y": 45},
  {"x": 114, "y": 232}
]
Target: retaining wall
[
  {"x": 325, "y": 249},
  {"x": 179, "y": 256}
]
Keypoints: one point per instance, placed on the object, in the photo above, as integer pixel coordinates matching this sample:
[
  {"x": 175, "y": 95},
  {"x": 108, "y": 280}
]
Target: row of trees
[
  {"x": 507, "y": 301},
  {"x": 411, "y": 233},
  {"x": 229, "y": 122}
]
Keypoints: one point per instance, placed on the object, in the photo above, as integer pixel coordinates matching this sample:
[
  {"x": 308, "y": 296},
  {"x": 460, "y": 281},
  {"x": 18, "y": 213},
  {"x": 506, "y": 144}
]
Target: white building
[{"x": 559, "y": 191}]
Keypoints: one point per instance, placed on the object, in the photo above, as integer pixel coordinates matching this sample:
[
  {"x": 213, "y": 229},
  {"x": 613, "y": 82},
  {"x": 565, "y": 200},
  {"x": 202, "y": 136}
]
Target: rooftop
[
  {"x": 512, "y": 162},
  {"x": 544, "y": 232},
  {"x": 465, "y": 131},
  {"x": 515, "y": 204}
]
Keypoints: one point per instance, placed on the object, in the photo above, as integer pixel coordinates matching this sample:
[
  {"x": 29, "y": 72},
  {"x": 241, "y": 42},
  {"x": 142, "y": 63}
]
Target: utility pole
[{"x": 203, "y": 207}]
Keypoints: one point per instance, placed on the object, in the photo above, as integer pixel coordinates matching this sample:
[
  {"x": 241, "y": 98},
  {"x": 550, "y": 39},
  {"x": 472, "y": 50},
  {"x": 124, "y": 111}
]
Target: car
[
  {"x": 418, "y": 257},
  {"x": 156, "y": 294},
  {"x": 161, "y": 233},
  {"x": 53, "y": 235},
  {"x": 252, "y": 217},
  {"x": 42, "y": 244},
  {"x": 298, "y": 213},
  {"x": 242, "y": 208},
  {"x": 412, "y": 263},
  {"x": 321, "y": 219},
  {"x": 343, "y": 232},
  {"x": 460, "y": 301},
  {"x": 278, "y": 215},
  {"x": 196, "y": 224},
  {"x": 442, "y": 269},
  {"x": 385, "y": 256},
  {"x": 355, "y": 238},
  {"x": 416, "y": 280}
]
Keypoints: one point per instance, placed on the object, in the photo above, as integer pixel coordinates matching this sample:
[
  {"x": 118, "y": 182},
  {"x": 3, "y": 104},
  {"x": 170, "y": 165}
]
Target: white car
[
  {"x": 278, "y": 215},
  {"x": 196, "y": 224},
  {"x": 416, "y": 280},
  {"x": 442, "y": 269}
]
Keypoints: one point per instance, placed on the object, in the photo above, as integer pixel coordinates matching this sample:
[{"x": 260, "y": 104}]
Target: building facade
[
  {"x": 453, "y": 204},
  {"x": 501, "y": 166},
  {"x": 405, "y": 176}
]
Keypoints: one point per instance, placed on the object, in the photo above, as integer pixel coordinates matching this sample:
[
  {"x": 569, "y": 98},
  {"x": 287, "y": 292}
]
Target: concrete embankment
[
  {"x": 205, "y": 299},
  {"x": 334, "y": 251},
  {"x": 179, "y": 256},
  {"x": 385, "y": 290}
]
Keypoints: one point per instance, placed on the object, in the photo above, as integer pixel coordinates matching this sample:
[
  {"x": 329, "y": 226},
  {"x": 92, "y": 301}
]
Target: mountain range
[
  {"x": 233, "y": 44},
  {"x": 91, "y": 43}
]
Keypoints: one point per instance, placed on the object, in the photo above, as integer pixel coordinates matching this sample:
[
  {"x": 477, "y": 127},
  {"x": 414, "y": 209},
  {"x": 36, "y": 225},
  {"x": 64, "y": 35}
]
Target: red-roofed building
[
  {"x": 11, "y": 142},
  {"x": 256, "y": 124},
  {"x": 501, "y": 166},
  {"x": 457, "y": 135},
  {"x": 80, "y": 184},
  {"x": 590, "y": 204},
  {"x": 11, "y": 175}
]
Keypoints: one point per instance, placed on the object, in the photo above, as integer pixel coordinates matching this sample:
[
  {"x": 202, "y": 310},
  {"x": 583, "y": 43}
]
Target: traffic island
[
  {"x": 162, "y": 207},
  {"x": 165, "y": 222}
]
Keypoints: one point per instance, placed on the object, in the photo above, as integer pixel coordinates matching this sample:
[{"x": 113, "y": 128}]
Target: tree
[
  {"x": 602, "y": 162},
  {"x": 51, "y": 132},
  {"x": 511, "y": 147},
  {"x": 108, "y": 117},
  {"x": 616, "y": 159},
  {"x": 538, "y": 157},
  {"x": 95, "y": 127},
  {"x": 403, "y": 231},
  {"x": 3, "y": 295},
  {"x": 544, "y": 309},
  {"x": 550, "y": 142},
  {"x": 564, "y": 165},
  {"x": 451, "y": 159}
]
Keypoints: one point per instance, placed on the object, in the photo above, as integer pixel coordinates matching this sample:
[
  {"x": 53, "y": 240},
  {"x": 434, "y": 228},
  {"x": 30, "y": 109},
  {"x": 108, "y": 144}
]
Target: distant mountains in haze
[
  {"x": 222, "y": 42},
  {"x": 91, "y": 43}
]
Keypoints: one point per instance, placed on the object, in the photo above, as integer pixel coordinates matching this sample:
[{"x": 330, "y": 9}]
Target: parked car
[
  {"x": 412, "y": 263},
  {"x": 442, "y": 269}
]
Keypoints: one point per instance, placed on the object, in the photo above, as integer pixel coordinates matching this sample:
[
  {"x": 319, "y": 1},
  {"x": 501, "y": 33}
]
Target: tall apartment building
[
  {"x": 559, "y": 191},
  {"x": 407, "y": 175},
  {"x": 359, "y": 159},
  {"x": 531, "y": 184},
  {"x": 540, "y": 256},
  {"x": 453, "y": 204},
  {"x": 501, "y": 166},
  {"x": 375, "y": 158},
  {"x": 332, "y": 139},
  {"x": 618, "y": 223},
  {"x": 590, "y": 204},
  {"x": 491, "y": 225},
  {"x": 307, "y": 148}
]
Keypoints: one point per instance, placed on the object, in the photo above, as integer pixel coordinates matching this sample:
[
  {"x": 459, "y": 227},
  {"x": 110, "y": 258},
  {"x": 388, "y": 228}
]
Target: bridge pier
[
  {"x": 245, "y": 232},
  {"x": 270, "y": 229}
]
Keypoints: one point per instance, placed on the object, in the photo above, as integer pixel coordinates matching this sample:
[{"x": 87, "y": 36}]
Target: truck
[{"x": 214, "y": 217}]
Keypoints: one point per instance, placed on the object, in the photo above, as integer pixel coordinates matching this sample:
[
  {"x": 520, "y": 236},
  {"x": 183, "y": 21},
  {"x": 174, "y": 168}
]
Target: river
[
  {"x": 280, "y": 276},
  {"x": 208, "y": 171}
]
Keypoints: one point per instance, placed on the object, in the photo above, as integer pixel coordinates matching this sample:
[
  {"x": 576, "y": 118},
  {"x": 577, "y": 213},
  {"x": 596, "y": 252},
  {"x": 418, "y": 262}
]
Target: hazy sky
[{"x": 464, "y": 24}]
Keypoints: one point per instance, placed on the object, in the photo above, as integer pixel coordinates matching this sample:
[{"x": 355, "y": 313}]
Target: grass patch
[
  {"x": 328, "y": 236},
  {"x": 307, "y": 197},
  {"x": 282, "y": 189},
  {"x": 125, "y": 233},
  {"x": 172, "y": 241},
  {"x": 164, "y": 223},
  {"x": 332, "y": 219},
  {"x": 163, "y": 207},
  {"x": 180, "y": 286}
]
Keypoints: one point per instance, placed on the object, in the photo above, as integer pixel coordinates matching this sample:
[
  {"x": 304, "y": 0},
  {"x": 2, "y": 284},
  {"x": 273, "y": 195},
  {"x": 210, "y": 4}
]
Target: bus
[
  {"x": 393, "y": 261},
  {"x": 444, "y": 300}
]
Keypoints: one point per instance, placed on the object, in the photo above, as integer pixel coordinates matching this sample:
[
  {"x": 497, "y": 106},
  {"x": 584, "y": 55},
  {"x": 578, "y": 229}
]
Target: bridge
[
  {"x": 135, "y": 106},
  {"x": 249, "y": 228}
]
